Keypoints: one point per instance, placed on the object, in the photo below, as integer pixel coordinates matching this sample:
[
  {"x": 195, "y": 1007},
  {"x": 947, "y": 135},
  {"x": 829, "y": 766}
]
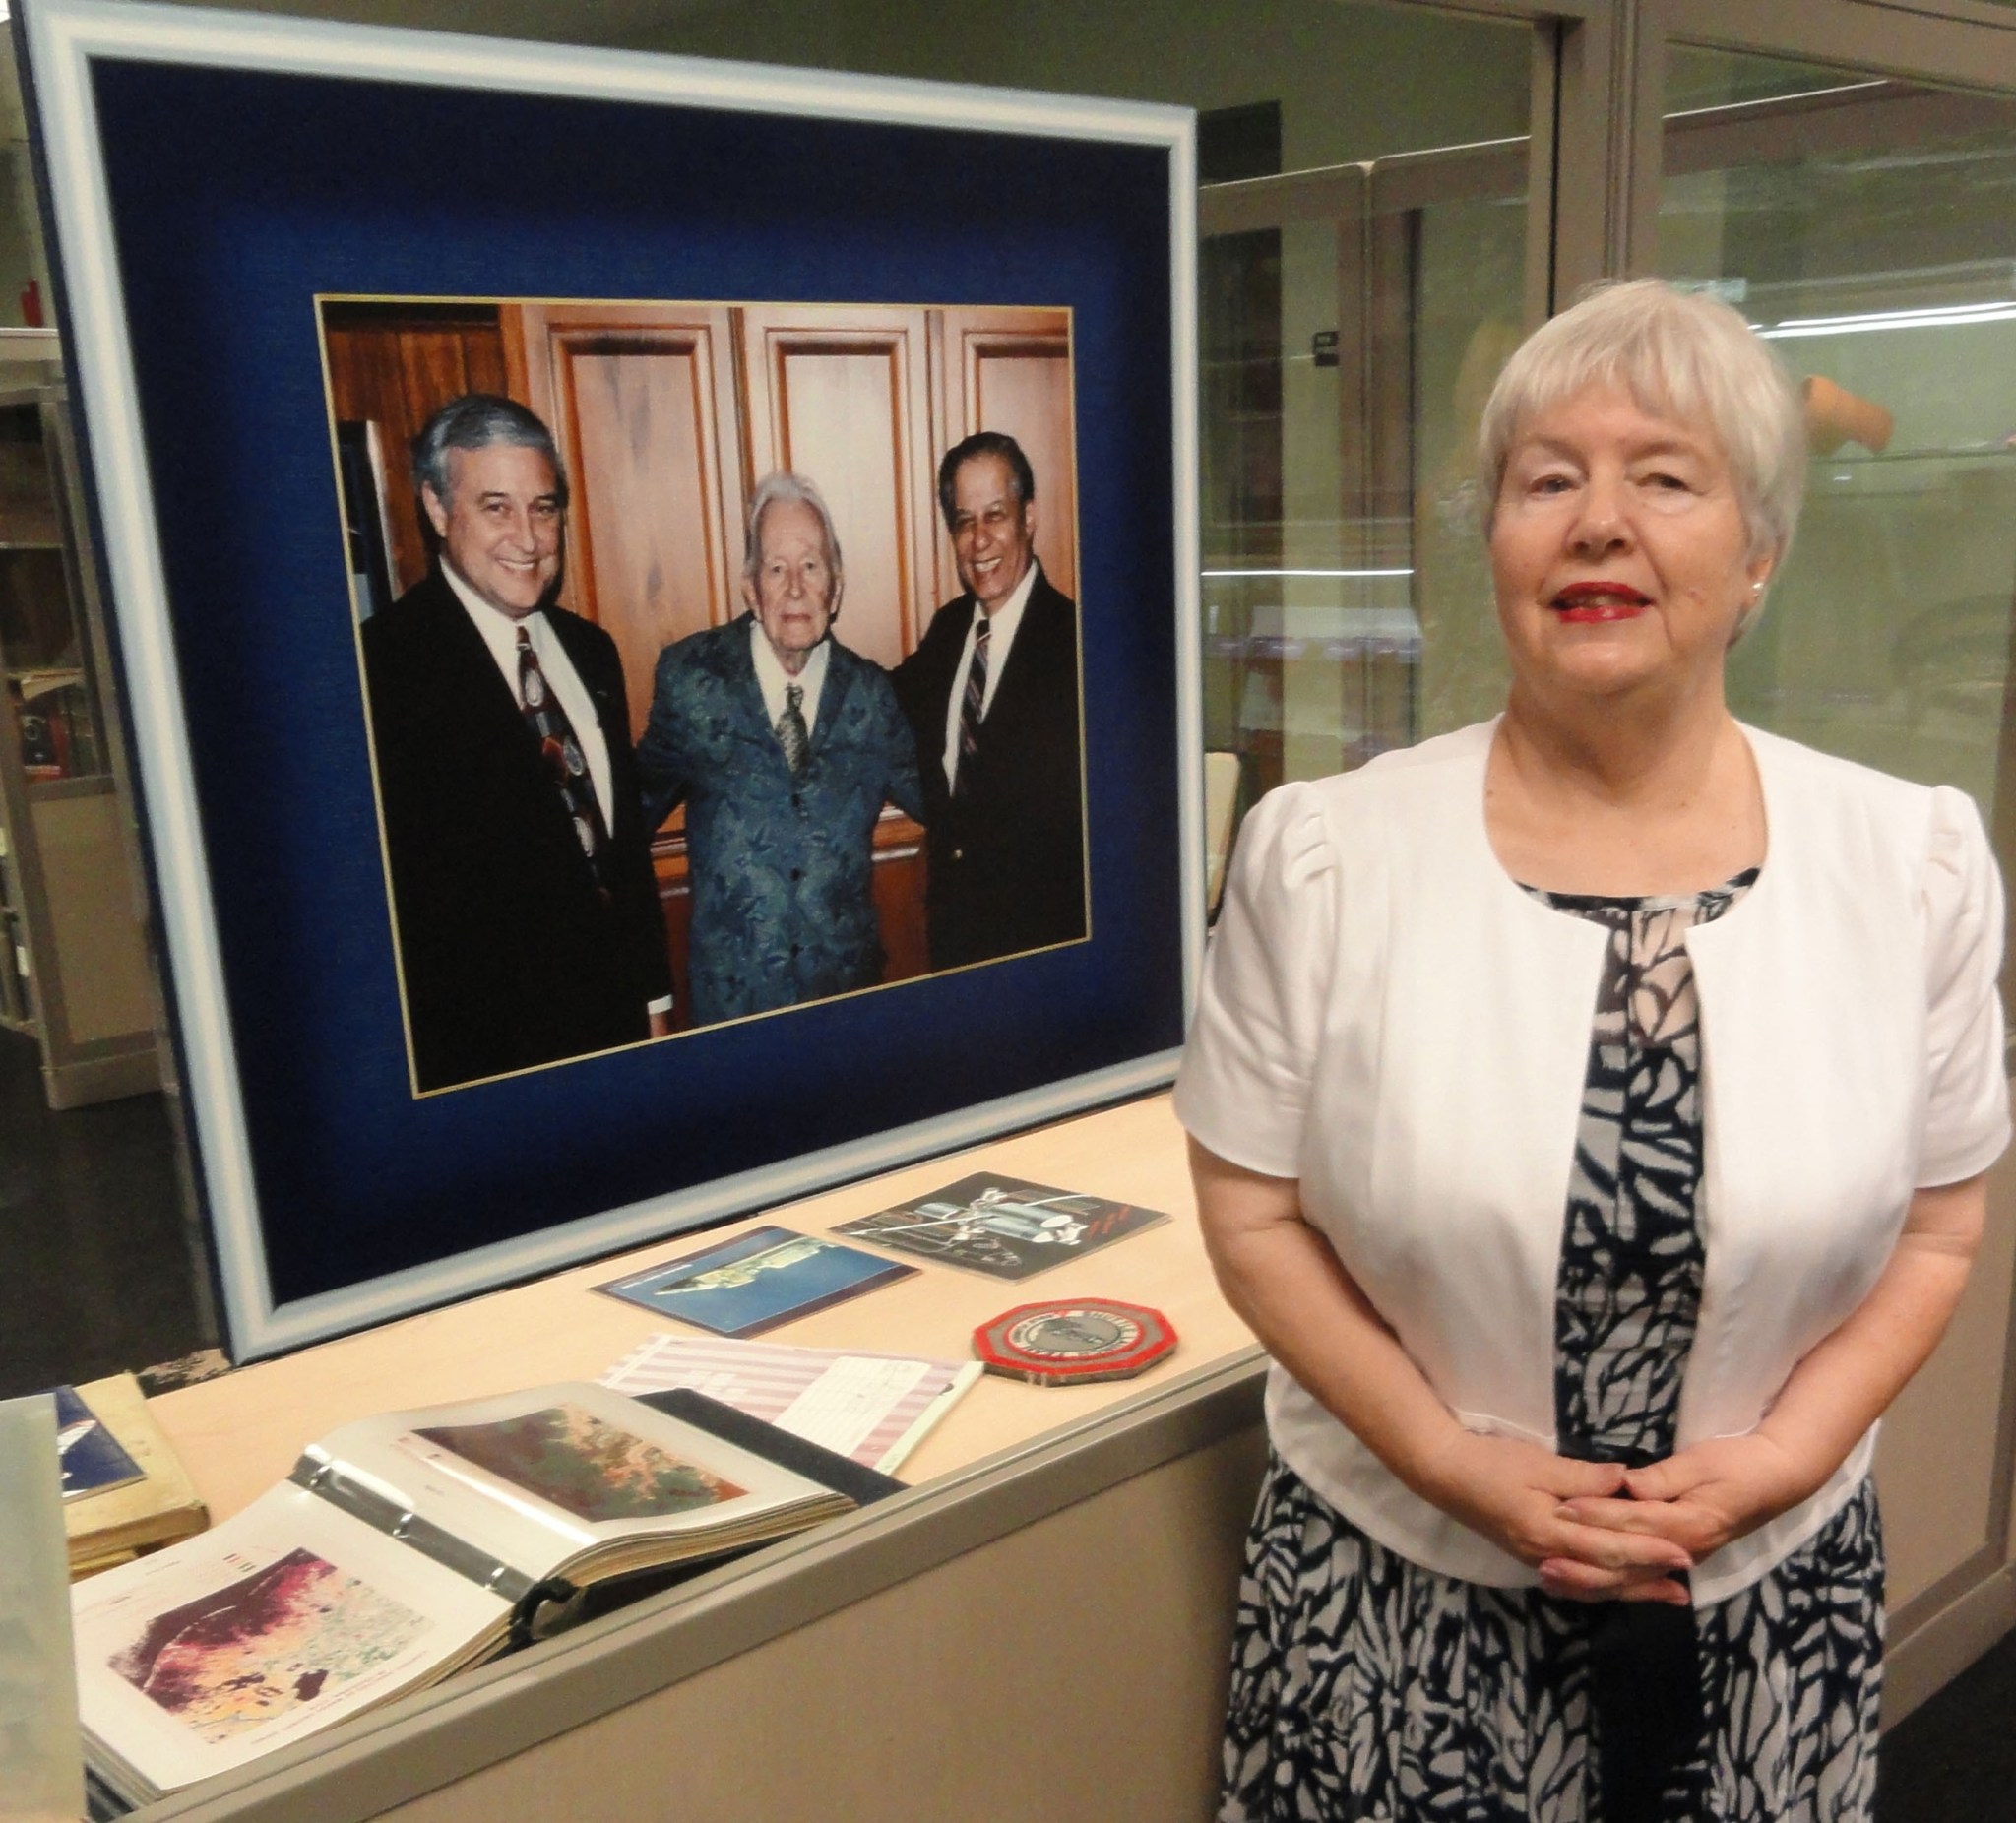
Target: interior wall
[
  {"x": 1441, "y": 79},
  {"x": 1935, "y": 1459}
]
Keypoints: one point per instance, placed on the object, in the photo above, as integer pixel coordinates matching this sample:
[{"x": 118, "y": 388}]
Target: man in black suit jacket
[
  {"x": 992, "y": 694},
  {"x": 526, "y": 909}
]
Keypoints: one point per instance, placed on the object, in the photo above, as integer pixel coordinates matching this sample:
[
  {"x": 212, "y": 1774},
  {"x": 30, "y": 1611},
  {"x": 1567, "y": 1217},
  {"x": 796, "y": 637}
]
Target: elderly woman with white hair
[{"x": 1589, "y": 1112}]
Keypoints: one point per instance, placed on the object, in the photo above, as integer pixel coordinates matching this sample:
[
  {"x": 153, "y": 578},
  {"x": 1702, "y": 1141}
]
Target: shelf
[
  {"x": 77, "y": 784},
  {"x": 85, "y": 1001}
]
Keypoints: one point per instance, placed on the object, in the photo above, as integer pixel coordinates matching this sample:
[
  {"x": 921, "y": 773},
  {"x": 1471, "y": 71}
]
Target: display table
[{"x": 1041, "y": 1623}]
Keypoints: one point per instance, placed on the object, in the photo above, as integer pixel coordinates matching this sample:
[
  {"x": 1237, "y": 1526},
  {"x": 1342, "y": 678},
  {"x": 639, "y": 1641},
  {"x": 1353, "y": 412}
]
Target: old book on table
[
  {"x": 404, "y": 1548},
  {"x": 109, "y": 1524}
]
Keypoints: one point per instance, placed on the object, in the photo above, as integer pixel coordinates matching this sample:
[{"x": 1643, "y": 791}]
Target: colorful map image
[
  {"x": 249, "y": 1652},
  {"x": 585, "y": 1466}
]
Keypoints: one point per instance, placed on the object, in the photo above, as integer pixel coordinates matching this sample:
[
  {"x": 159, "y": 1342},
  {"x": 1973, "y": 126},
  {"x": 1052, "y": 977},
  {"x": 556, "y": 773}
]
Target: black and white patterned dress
[{"x": 1366, "y": 1687}]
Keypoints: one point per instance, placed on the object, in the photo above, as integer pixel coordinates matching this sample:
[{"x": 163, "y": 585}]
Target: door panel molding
[{"x": 1870, "y": 35}]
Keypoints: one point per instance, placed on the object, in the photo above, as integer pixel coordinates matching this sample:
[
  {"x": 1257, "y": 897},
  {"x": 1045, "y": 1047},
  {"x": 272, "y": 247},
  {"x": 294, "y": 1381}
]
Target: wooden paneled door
[
  {"x": 842, "y": 395},
  {"x": 1010, "y": 370},
  {"x": 668, "y": 414},
  {"x": 641, "y": 399},
  {"x": 393, "y": 364}
]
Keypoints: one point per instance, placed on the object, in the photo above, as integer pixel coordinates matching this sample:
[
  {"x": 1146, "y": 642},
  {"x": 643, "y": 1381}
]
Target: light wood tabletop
[{"x": 241, "y": 1432}]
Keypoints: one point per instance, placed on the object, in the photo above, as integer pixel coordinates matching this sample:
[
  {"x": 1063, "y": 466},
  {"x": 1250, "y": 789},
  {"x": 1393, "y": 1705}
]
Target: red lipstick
[{"x": 1596, "y": 601}]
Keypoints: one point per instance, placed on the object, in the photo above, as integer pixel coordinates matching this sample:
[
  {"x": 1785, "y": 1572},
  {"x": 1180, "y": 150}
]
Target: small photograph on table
[
  {"x": 756, "y": 1280},
  {"x": 95, "y": 1462},
  {"x": 1003, "y": 1226}
]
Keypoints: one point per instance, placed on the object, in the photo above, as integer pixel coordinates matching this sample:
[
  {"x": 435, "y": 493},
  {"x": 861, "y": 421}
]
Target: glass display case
[
  {"x": 1350, "y": 321},
  {"x": 1856, "y": 222},
  {"x": 74, "y": 969}
]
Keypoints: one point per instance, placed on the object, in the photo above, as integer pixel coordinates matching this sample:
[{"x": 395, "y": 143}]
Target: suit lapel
[
  {"x": 1023, "y": 673},
  {"x": 610, "y": 711},
  {"x": 833, "y": 696},
  {"x": 958, "y": 618},
  {"x": 745, "y": 694},
  {"x": 489, "y": 697}
]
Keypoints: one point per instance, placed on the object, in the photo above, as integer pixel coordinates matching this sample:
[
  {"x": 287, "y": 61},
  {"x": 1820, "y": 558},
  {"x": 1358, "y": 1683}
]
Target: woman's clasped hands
[{"x": 1598, "y": 1531}]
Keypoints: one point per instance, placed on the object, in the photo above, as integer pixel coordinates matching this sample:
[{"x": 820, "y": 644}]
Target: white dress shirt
[
  {"x": 500, "y": 634},
  {"x": 1389, "y": 1019},
  {"x": 772, "y": 679},
  {"x": 1004, "y": 621}
]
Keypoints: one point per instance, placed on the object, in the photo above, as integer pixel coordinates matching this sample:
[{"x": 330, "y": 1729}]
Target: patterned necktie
[
  {"x": 973, "y": 705},
  {"x": 562, "y": 753},
  {"x": 791, "y": 729}
]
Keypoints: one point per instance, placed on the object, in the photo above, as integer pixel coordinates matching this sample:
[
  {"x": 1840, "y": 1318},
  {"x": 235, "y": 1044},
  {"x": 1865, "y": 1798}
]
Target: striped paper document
[{"x": 873, "y": 1408}]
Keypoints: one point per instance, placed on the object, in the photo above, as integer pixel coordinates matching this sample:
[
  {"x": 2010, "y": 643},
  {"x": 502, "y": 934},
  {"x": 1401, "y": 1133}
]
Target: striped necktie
[{"x": 973, "y": 707}]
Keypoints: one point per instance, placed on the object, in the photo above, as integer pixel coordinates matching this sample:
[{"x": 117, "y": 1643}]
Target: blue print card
[
  {"x": 758, "y": 1280},
  {"x": 93, "y": 1461}
]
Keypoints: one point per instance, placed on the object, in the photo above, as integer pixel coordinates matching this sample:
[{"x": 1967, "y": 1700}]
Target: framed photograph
[{"x": 655, "y": 604}]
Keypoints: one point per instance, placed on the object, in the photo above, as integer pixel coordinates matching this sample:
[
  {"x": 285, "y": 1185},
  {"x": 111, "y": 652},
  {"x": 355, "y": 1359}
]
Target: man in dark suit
[
  {"x": 525, "y": 905},
  {"x": 784, "y": 746},
  {"x": 991, "y": 692}
]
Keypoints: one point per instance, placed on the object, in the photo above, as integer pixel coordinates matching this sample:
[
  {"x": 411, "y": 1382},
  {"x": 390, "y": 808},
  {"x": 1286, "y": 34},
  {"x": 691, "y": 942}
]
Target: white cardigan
[{"x": 1388, "y": 1018}]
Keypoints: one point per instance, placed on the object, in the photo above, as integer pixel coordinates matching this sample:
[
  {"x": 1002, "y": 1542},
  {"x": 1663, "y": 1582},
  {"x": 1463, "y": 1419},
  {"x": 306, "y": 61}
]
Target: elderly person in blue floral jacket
[{"x": 784, "y": 746}]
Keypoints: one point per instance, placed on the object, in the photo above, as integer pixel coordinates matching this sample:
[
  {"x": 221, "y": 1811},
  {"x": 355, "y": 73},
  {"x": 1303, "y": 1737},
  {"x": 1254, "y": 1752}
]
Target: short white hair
[
  {"x": 1683, "y": 355},
  {"x": 776, "y": 490}
]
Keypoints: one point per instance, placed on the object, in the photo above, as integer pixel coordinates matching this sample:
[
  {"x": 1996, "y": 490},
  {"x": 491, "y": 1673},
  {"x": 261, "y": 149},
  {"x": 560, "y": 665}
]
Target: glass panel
[
  {"x": 1359, "y": 619},
  {"x": 1865, "y": 226},
  {"x": 1346, "y": 351},
  {"x": 1698, "y": 79},
  {"x": 1467, "y": 321},
  {"x": 1347, "y": 359},
  {"x": 1352, "y": 314}
]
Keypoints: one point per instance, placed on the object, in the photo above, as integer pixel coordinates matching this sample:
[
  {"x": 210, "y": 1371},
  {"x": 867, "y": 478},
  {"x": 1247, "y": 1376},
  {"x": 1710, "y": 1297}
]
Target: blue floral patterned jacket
[{"x": 784, "y": 908}]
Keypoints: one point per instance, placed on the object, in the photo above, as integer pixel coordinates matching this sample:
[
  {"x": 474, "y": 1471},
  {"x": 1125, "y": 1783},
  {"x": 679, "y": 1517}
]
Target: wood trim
[
  {"x": 974, "y": 341},
  {"x": 1856, "y": 117},
  {"x": 1980, "y": 11},
  {"x": 539, "y": 339},
  {"x": 1488, "y": 168},
  {"x": 1393, "y": 246},
  {"x": 1931, "y": 1654},
  {"x": 772, "y": 334},
  {"x": 1253, "y": 203},
  {"x": 944, "y": 566},
  {"x": 1539, "y": 11},
  {"x": 1876, "y": 35},
  {"x": 1543, "y": 164}
]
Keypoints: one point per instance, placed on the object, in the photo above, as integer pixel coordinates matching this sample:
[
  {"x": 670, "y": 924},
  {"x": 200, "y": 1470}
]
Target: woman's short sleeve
[
  {"x": 1243, "y": 1089},
  {"x": 1966, "y": 1103}
]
